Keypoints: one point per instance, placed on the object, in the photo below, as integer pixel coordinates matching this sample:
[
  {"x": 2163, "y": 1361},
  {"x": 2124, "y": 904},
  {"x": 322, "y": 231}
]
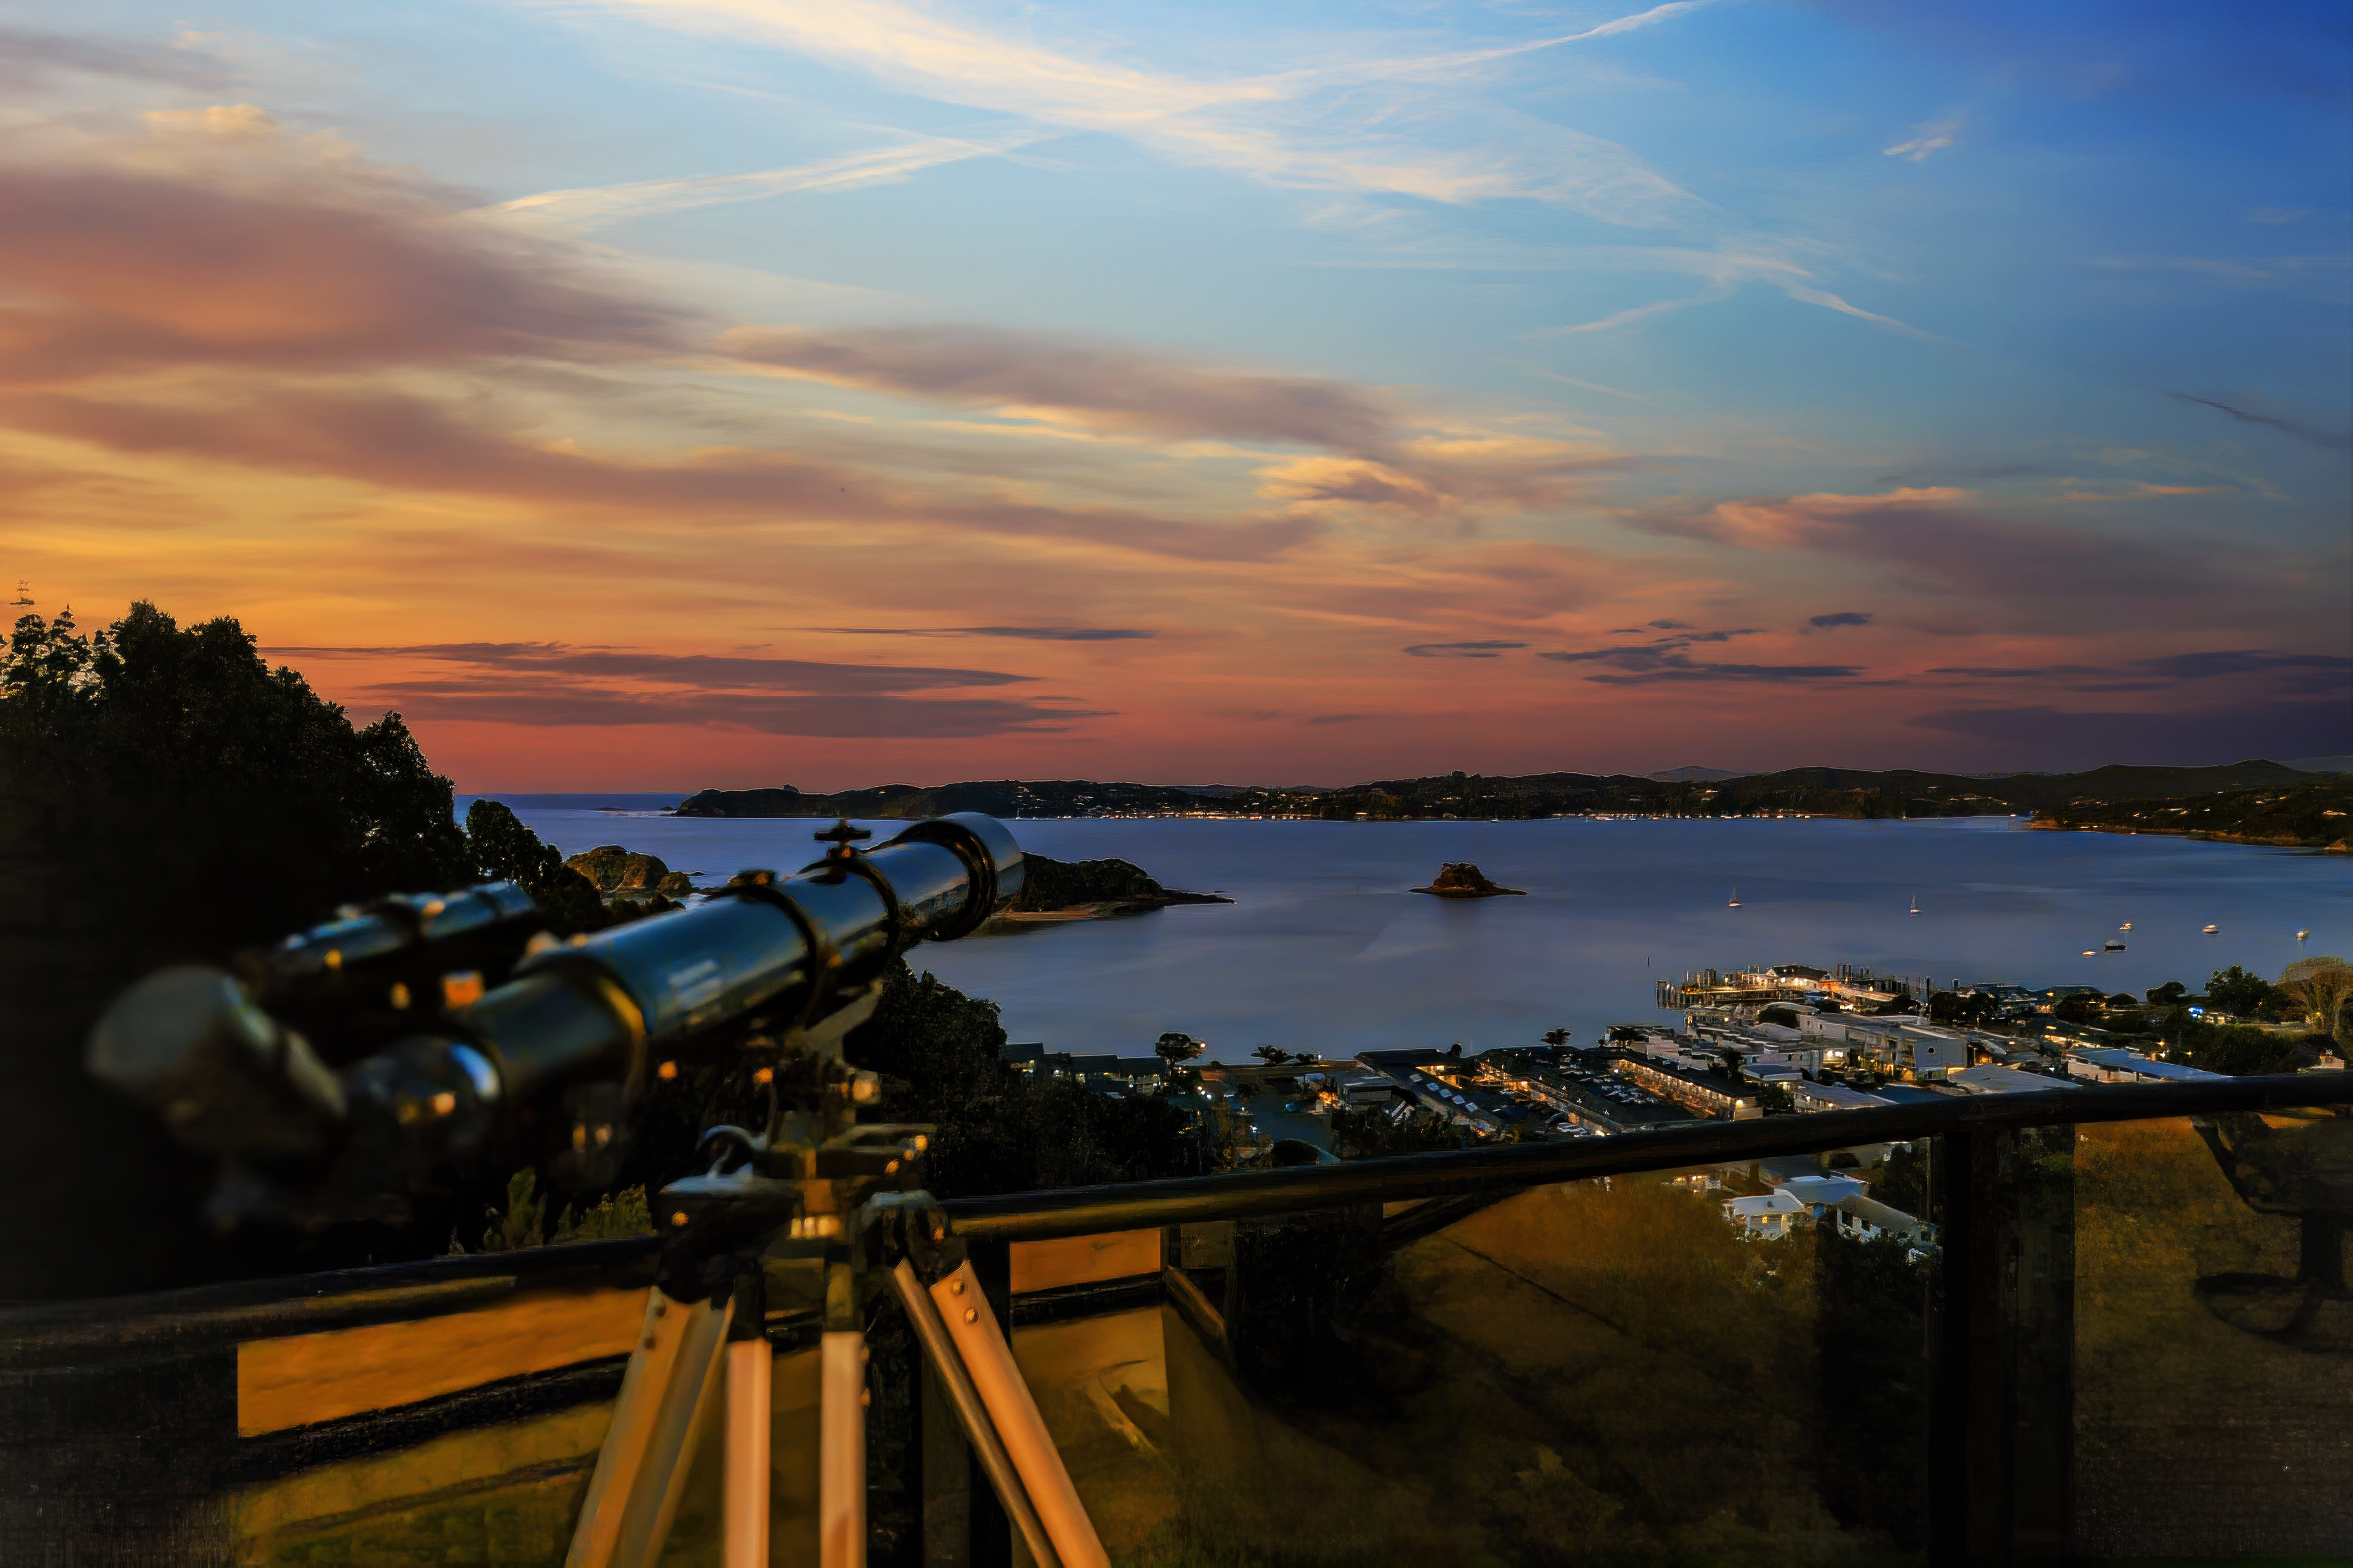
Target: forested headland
[{"x": 1810, "y": 792}]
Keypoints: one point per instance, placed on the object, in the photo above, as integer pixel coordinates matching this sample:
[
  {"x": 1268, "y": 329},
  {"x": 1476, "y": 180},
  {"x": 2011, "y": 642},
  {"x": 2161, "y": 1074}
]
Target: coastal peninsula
[
  {"x": 1053, "y": 891},
  {"x": 1682, "y": 792},
  {"x": 2314, "y": 815}
]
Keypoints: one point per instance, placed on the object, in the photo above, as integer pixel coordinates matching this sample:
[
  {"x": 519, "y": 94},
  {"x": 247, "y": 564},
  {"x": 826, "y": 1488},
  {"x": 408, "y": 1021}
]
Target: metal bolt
[
  {"x": 955, "y": 1287},
  {"x": 972, "y": 1314}
]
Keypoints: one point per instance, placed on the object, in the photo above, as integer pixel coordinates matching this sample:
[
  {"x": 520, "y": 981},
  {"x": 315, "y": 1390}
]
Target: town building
[
  {"x": 2109, "y": 1064},
  {"x": 1865, "y": 1218},
  {"x": 1811, "y": 1095},
  {"x": 1991, "y": 1079}
]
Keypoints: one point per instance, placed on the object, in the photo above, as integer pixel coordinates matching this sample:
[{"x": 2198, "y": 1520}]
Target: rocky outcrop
[
  {"x": 614, "y": 869},
  {"x": 1461, "y": 879}
]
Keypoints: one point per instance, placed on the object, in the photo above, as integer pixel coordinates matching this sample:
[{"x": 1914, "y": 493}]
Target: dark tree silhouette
[{"x": 166, "y": 795}]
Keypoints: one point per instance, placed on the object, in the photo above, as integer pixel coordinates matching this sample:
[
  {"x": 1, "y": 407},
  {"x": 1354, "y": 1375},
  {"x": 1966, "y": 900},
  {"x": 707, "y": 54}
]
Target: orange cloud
[{"x": 238, "y": 252}]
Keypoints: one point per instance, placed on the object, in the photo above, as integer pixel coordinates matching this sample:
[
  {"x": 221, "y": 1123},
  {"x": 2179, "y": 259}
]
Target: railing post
[{"x": 2001, "y": 1407}]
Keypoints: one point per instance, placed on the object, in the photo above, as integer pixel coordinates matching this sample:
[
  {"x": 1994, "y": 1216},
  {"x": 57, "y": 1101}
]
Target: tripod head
[{"x": 372, "y": 1056}]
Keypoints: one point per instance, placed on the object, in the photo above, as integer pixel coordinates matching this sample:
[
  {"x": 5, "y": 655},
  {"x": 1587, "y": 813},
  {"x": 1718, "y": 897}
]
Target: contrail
[
  {"x": 2301, "y": 431},
  {"x": 589, "y": 207}
]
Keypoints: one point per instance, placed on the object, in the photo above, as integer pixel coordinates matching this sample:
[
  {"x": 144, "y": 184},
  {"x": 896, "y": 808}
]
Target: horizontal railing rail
[
  {"x": 175, "y": 1320},
  {"x": 1242, "y": 1194}
]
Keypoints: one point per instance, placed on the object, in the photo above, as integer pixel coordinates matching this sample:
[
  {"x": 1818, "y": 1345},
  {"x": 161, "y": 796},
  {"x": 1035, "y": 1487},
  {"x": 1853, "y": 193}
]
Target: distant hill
[
  {"x": 1694, "y": 773},
  {"x": 1821, "y": 792}
]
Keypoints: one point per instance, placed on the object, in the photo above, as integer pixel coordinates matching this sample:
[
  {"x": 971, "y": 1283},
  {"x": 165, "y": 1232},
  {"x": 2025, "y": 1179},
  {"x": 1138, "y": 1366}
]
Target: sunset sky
[{"x": 663, "y": 393}]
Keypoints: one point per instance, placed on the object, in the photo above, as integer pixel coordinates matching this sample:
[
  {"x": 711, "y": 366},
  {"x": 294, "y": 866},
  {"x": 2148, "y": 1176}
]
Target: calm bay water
[{"x": 1324, "y": 949}]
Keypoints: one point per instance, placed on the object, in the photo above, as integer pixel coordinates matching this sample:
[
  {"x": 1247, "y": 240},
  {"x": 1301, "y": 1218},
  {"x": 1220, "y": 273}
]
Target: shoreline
[{"x": 2342, "y": 846}]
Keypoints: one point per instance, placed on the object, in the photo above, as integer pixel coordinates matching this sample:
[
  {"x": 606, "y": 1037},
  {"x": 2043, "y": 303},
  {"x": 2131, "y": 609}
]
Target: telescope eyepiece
[{"x": 225, "y": 1077}]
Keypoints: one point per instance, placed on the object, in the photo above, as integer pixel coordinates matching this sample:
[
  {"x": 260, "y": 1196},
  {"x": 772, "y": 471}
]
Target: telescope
[{"x": 373, "y": 1054}]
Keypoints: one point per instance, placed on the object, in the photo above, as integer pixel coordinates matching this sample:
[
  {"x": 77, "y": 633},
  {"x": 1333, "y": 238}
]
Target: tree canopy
[
  {"x": 166, "y": 795},
  {"x": 151, "y": 757},
  {"x": 2241, "y": 995}
]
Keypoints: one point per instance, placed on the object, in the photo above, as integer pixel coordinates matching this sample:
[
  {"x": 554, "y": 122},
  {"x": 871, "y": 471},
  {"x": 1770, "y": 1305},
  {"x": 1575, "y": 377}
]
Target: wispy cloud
[
  {"x": 1634, "y": 313},
  {"x": 1462, "y": 649},
  {"x": 1829, "y": 301},
  {"x": 2323, "y": 273},
  {"x": 1593, "y": 386},
  {"x": 1116, "y": 384},
  {"x": 555, "y": 685},
  {"x": 1840, "y": 618},
  {"x": 1727, "y": 268},
  {"x": 1329, "y": 127},
  {"x": 1651, "y": 666},
  {"x": 1033, "y": 633},
  {"x": 1926, "y": 140},
  {"x": 1935, "y": 539},
  {"x": 28, "y": 60},
  {"x": 2256, "y": 670},
  {"x": 709, "y": 672},
  {"x": 592, "y": 206}
]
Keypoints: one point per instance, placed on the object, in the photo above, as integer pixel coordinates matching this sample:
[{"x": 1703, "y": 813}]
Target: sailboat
[
  {"x": 2302, "y": 934},
  {"x": 1916, "y": 903},
  {"x": 1736, "y": 899}
]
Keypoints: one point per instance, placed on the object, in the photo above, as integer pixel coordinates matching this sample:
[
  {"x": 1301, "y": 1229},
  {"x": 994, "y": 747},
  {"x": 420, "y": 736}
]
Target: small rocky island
[
  {"x": 1054, "y": 890},
  {"x": 1461, "y": 879}
]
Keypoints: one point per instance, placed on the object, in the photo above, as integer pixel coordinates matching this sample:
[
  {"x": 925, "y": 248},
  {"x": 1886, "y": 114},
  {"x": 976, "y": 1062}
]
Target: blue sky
[{"x": 1288, "y": 339}]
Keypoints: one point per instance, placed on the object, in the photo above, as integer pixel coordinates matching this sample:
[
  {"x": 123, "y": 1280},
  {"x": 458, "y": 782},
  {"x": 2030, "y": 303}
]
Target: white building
[{"x": 1768, "y": 1217}]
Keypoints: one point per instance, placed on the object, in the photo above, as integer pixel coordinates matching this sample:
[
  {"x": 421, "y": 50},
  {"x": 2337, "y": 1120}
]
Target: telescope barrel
[
  {"x": 787, "y": 947},
  {"x": 794, "y": 949}
]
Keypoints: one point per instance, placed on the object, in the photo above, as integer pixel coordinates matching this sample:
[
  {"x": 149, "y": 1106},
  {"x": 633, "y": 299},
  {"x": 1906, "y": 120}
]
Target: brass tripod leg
[
  {"x": 972, "y": 1415},
  {"x": 751, "y": 1379},
  {"x": 973, "y": 1328},
  {"x": 641, "y": 1470},
  {"x": 841, "y": 1449}
]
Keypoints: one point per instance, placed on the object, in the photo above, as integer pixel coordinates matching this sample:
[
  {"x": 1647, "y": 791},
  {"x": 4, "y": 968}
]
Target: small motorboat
[
  {"x": 2112, "y": 946},
  {"x": 2302, "y": 934},
  {"x": 2210, "y": 931},
  {"x": 2091, "y": 953},
  {"x": 2126, "y": 926}
]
